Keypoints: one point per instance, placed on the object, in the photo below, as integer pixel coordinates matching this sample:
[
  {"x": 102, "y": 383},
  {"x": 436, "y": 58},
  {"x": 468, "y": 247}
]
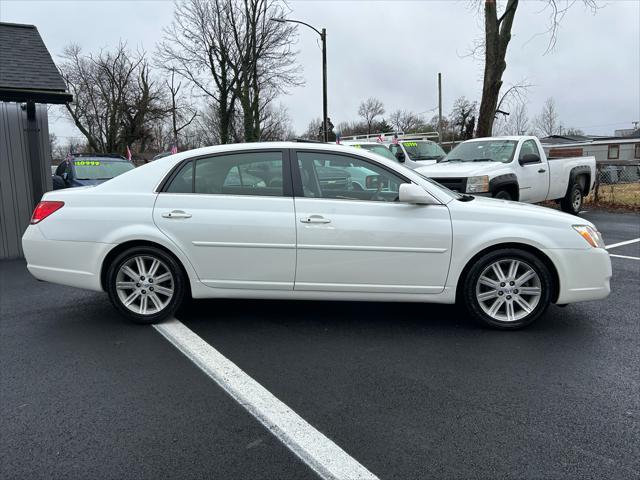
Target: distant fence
[{"x": 617, "y": 184}]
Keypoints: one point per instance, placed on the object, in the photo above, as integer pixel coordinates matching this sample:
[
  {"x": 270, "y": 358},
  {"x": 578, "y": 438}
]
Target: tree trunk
[{"x": 497, "y": 37}]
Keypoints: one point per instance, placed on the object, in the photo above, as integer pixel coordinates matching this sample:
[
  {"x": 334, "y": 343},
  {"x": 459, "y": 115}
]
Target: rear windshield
[
  {"x": 423, "y": 150},
  {"x": 100, "y": 168}
]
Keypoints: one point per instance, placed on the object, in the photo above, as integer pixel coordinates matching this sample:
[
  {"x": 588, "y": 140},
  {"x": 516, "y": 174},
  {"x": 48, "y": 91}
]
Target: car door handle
[
  {"x": 176, "y": 214},
  {"x": 542, "y": 170},
  {"x": 315, "y": 219}
]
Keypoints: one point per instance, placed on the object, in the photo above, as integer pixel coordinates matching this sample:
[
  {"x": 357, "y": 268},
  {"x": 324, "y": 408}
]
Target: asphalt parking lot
[{"x": 407, "y": 391}]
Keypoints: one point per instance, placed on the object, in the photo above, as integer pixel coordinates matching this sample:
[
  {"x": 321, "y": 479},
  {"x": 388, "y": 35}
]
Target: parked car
[
  {"x": 82, "y": 170},
  {"x": 416, "y": 152},
  {"x": 411, "y": 149},
  {"x": 375, "y": 147},
  {"x": 515, "y": 168},
  {"x": 177, "y": 228}
]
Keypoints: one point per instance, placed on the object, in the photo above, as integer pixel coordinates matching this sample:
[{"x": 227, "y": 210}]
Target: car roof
[
  {"x": 505, "y": 137},
  {"x": 357, "y": 142},
  {"x": 147, "y": 177}
]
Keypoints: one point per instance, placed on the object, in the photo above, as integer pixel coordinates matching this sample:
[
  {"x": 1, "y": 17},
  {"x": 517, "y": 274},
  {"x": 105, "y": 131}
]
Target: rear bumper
[
  {"x": 584, "y": 274},
  {"x": 76, "y": 264}
]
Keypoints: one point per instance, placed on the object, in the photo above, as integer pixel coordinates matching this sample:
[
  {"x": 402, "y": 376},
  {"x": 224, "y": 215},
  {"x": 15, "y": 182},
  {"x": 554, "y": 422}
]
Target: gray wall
[{"x": 16, "y": 196}]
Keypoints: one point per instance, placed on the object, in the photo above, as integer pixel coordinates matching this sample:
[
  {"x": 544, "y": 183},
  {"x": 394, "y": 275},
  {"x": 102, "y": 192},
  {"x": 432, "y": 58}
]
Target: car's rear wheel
[
  {"x": 145, "y": 284},
  {"x": 572, "y": 202},
  {"x": 508, "y": 289}
]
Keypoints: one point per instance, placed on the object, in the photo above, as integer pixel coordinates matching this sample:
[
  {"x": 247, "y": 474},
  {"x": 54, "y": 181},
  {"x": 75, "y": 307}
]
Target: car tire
[
  {"x": 502, "y": 195},
  {"x": 134, "y": 291},
  {"x": 483, "y": 290},
  {"x": 572, "y": 202}
]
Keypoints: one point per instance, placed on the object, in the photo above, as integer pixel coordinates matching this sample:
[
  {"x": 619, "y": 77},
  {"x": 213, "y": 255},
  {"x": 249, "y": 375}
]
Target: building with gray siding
[{"x": 28, "y": 81}]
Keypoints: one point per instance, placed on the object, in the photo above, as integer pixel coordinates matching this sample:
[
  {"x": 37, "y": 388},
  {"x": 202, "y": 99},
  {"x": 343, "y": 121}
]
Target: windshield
[
  {"x": 483, "y": 151},
  {"x": 100, "y": 168},
  {"x": 380, "y": 150},
  {"x": 423, "y": 150}
]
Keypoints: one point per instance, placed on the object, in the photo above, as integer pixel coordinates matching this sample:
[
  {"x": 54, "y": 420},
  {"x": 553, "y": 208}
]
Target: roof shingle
[{"x": 25, "y": 62}]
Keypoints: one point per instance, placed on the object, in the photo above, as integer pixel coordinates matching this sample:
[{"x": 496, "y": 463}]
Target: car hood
[
  {"x": 459, "y": 169},
  {"x": 507, "y": 211}
]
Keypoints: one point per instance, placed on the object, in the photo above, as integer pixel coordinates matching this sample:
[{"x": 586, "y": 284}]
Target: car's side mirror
[
  {"x": 412, "y": 193},
  {"x": 529, "y": 158},
  {"x": 400, "y": 156}
]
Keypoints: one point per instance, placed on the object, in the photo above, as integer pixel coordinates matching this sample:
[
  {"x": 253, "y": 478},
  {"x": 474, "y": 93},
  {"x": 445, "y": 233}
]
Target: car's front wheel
[
  {"x": 502, "y": 195},
  {"x": 145, "y": 284},
  {"x": 508, "y": 289}
]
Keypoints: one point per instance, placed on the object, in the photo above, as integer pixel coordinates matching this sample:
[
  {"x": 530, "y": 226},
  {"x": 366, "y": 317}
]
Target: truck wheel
[
  {"x": 145, "y": 284},
  {"x": 572, "y": 202},
  {"x": 502, "y": 195},
  {"x": 507, "y": 289}
]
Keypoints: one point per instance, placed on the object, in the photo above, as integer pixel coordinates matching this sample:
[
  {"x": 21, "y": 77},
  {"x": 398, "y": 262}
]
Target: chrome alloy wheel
[
  {"x": 145, "y": 285},
  {"x": 508, "y": 290}
]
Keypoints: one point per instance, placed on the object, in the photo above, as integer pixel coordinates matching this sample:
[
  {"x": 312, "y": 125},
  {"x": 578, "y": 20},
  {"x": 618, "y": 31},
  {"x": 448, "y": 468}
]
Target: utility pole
[
  {"x": 440, "y": 106},
  {"x": 323, "y": 35}
]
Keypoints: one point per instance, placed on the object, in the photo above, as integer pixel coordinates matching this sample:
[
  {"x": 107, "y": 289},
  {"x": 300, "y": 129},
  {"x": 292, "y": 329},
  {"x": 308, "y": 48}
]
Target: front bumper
[
  {"x": 584, "y": 273},
  {"x": 77, "y": 264}
]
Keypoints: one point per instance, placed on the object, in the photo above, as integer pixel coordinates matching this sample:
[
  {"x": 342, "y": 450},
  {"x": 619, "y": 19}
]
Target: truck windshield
[
  {"x": 423, "y": 150},
  {"x": 380, "y": 150},
  {"x": 483, "y": 151},
  {"x": 99, "y": 168}
]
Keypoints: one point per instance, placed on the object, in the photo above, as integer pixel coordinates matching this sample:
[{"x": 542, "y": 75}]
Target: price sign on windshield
[{"x": 86, "y": 163}]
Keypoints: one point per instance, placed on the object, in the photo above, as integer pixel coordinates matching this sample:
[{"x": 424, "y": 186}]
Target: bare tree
[
  {"x": 181, "y": 113},
  {"x": 348, "y": 128},
  {"x": 115, "y": 99},
  {"x": 313, "y": 129},
  {"x": 233, "y": 54},
  {"x": 262, "y": 58},
  {"x": 497, "y": 35},
  {"x": 518, "y": 123},
  {"x": 369, "y": 110},
  {"x": 547, "y": 122},
  {"x": 276, "y": 124},
  {"x": 406, "y": 121},
  {"x": 197, "y": 46},
  {"x": 463, "y": 117}
]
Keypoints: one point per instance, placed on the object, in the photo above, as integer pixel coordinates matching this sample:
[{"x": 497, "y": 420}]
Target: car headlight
[
  {"x": 477, "y": 184},
  {"x": 590, "y": 234}
]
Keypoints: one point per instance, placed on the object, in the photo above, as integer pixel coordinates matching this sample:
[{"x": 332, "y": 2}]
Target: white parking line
[
  {"x": 322, "y": 455},
  {"x": 624, "y": 256},
  {"x": 620, "y": 244}
]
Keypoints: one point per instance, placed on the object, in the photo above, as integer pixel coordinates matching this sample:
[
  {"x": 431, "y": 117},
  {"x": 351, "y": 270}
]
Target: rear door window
[{"x": 245, "y": 173}]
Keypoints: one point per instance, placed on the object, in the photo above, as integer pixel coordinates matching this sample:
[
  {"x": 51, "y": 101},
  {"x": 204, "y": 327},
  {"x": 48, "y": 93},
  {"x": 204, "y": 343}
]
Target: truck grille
[{"x": 456, "y": 184}]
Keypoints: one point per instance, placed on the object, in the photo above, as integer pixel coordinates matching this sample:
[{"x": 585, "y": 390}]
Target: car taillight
[{"x": 44, "y": 209}]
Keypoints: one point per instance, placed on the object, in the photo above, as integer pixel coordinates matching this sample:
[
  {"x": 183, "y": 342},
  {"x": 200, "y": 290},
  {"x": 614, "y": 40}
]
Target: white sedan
[{"x": 265, "y": 220}]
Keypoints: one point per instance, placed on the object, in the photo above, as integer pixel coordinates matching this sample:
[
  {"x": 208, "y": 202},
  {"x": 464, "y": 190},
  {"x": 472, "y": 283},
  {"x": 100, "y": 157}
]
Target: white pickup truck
[{"x": 514, "y": 168}]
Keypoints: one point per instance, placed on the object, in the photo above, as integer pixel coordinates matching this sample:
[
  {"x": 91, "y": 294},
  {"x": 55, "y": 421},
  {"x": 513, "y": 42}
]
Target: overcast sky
[{"x": 393, "y": 50}]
